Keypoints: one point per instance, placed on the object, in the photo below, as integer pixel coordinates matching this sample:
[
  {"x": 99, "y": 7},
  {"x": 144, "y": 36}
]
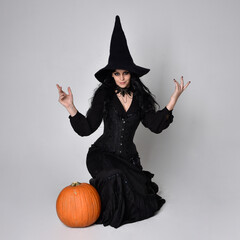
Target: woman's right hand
[{"x": 65, "y": 99}]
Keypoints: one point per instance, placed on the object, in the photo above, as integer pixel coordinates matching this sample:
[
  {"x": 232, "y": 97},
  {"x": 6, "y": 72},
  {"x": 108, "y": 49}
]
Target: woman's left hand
[{"x": 179, "y": 88}]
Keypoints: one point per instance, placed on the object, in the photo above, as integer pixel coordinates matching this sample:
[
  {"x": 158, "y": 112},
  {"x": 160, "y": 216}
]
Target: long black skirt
[{"x": 127, "y": 192}]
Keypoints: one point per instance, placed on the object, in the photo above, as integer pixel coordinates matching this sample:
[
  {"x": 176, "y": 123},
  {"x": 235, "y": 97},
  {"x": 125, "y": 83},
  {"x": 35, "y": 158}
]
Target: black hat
[{"x": 120, "y": 57}]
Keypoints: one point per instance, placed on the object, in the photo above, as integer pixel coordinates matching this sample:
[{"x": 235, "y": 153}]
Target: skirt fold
[{"x": 127, "y": 193}]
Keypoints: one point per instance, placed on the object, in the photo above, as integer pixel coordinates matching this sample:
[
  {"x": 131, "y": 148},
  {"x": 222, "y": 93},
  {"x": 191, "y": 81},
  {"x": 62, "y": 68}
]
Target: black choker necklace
[{"x": 124, "y": 91}]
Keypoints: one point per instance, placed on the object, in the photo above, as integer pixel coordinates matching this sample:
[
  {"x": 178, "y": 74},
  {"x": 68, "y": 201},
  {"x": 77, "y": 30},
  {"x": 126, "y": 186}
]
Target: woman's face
[{"x": 122, "y": 77}]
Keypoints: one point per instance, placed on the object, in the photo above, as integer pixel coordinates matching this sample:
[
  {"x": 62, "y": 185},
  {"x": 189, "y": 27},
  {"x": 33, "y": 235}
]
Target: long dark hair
[{"x": 146, "y": 99}]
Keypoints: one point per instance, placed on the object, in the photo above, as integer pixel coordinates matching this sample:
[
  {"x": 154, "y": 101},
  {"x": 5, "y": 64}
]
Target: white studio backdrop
[{"x": 195, "y": 161}]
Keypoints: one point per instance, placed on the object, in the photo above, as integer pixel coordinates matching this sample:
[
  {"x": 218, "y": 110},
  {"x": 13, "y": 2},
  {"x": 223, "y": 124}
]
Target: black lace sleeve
[
  {"x": 157, "y": 121},
  {"x": 86, "y": 125}
]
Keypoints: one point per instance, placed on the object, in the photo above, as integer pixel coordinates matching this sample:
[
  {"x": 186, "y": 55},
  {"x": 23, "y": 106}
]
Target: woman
[{"x": 127, "y": 192}]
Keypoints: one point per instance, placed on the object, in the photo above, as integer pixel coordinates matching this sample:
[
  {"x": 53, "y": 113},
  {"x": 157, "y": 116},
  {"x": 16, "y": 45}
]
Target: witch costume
[{"x": 127, "y": 192}]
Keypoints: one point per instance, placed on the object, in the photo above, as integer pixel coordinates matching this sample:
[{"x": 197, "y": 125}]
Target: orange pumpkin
[{"x": 78, "y": 205}]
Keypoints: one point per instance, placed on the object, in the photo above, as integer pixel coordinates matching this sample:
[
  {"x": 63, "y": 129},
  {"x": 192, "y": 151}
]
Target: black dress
[{"x": 127, "y": 192}]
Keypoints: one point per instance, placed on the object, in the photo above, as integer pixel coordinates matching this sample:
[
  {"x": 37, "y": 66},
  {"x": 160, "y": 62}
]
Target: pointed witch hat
[{"x": 120, "y": 57}]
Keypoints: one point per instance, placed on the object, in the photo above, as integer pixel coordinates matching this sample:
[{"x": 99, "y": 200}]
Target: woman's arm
[
  {"x": 161, "y": 119},
  {"x": 157, "y": 121},
  {"x": 83, "y": 125},
  {"x": 72, "y": 110},
  {"x": 179, "y": 88}
]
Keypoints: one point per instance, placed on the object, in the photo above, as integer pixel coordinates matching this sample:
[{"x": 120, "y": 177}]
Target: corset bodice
[{"x": 119, "y": 129}]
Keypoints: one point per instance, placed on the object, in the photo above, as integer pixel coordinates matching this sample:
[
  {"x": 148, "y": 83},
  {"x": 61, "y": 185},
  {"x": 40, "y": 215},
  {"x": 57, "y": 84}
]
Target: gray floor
[{"x": 28, "y": 212}]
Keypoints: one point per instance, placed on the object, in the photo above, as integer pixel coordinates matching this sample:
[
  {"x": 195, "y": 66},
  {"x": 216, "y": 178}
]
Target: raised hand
[
  {"x": 179, "y": 88},
  {"x": 65, "y": 99}
]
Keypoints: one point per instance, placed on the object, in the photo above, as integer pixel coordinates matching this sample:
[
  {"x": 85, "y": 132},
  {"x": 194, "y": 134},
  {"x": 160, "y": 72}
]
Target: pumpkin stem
[{"x": 74, "y": 184}]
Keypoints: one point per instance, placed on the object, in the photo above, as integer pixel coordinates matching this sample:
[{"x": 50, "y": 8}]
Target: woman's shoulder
[{"x": 102, "y": 92}]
